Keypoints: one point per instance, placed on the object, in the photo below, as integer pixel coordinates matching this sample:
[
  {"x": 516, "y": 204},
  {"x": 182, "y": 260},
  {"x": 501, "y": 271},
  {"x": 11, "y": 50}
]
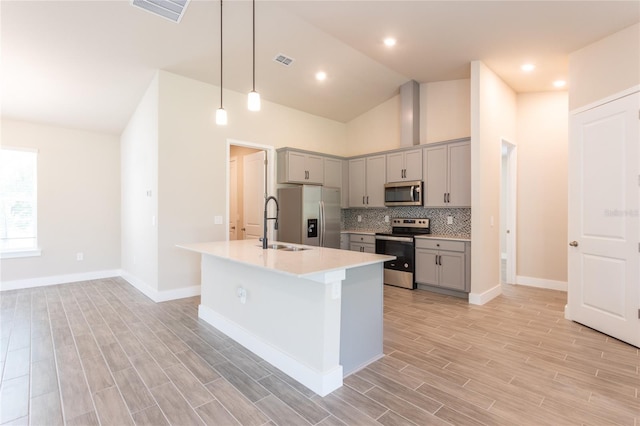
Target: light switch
[
  {"x": 359, "y": 218},
  {"x": 217, "y": 220},
  {"x": 449, "y": 220}
]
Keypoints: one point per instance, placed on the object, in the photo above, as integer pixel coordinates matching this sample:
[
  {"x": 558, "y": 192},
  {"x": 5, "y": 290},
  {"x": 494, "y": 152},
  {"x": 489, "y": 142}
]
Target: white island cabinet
[{"x": 315, "y": 314}]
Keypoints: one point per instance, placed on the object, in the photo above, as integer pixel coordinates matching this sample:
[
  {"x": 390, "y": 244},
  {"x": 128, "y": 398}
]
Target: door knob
[{"x": 573, "y": 244}]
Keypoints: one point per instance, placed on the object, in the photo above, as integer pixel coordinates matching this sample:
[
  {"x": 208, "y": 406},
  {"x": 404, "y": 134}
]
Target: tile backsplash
[{"x": 373, "y": 219}]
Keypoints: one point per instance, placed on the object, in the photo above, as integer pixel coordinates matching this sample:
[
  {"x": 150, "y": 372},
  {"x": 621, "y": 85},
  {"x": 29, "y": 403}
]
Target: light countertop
[
  {"x": 298, "y": 263},
  {"x": 359, "y": 232},
  {"x": 444, "y": 237}
]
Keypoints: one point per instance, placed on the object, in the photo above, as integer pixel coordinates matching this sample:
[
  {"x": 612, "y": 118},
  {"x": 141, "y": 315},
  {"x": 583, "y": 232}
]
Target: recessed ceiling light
[
  {"x": 528, "y": 67},
  {"x": 559, "y": 83},
  {"x": 321, "y": 75},
  {"x": 389, "y": 41}
]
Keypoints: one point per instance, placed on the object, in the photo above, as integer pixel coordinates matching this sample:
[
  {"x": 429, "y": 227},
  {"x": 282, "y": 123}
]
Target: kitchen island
[{"x": 313, "y": 312}]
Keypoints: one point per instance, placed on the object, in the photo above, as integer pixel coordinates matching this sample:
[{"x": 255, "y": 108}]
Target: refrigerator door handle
[{"x": 321, "y": 237}]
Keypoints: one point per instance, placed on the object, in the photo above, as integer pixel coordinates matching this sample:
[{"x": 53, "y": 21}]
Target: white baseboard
[
  {"x": 160, "y": 296},
  {"x": 321, "y": 383},
  {"x": 487, "y": 296},
  {"x": 57, "y": 279},
  {"x": 541, "y": 283}
]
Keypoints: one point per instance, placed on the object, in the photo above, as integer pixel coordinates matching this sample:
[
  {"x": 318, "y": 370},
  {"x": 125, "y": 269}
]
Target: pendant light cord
[{"x": 220, "y": 53}]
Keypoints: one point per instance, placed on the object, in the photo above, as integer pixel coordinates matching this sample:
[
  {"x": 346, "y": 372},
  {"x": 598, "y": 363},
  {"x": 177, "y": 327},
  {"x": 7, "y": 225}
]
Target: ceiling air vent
[
  {"x": 284, "y": 60},
  {"x": 172, "y": 10}
]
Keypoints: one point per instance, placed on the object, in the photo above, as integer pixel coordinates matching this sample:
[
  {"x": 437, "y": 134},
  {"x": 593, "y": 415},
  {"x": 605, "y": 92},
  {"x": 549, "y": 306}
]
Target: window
[{"x": 18, "y": 202}]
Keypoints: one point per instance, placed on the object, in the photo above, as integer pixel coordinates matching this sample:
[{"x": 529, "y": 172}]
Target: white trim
[
  {"x": 18, "y": 253},
  {"x": 487, "y": 296},
  {"x": 160, "y": 296},
  {"x": 630, "y": 91},
  {"x": 321, "y": 383},
  {"x": 541, "y": 283},
  {"x": 57, "y": 279},
  {"x": 270, "y": 153},
  {"x": 20, "y": 148}
]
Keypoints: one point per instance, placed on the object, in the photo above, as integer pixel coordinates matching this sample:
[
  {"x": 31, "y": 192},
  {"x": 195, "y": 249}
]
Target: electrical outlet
[
  {"x": 80, "y": 256},
  {"x": 386, "y": 219},
  {"x": 449, "y": 220},
  {"x": 359, "y": 218}
]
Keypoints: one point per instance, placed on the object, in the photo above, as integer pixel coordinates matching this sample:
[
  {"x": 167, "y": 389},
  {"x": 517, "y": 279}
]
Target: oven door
[{"x": 397, "y": 272}]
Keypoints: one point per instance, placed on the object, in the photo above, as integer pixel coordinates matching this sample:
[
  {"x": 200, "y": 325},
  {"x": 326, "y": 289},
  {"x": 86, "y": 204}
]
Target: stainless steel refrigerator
[{"x": 309, "y": 215}]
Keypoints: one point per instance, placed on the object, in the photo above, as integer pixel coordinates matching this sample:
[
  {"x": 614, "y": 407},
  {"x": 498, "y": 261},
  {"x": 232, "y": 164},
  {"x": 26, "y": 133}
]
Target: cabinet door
[
  {"x": 357, "y": 176},
  {"x": 315, "y": 169},
  {"x": 297, "y": 171},
  {"x": 356, "y": 246},
  {"x": 375, "y": 178},
  {"x": 369, "y": 248},
  {"x": 395, "y": 167},
  {"x": 426, "y": 267},
  {"x": 435, "y": 176},
  {"x": 413, "y": 164},
  {"x": 333, "y": 173},
  {"x": 452, "y": 270},
  {"x": 460, "y": 174}
]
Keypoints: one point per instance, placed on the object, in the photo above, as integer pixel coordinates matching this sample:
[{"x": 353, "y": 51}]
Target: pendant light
[
  {"x": 221, "y": 114},
  {"x": 253, "y": 102}
]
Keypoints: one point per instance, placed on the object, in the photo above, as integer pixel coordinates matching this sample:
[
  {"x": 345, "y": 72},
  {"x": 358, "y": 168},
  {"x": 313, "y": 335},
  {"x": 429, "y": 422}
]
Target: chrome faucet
[{"x": 265, "y": 243}]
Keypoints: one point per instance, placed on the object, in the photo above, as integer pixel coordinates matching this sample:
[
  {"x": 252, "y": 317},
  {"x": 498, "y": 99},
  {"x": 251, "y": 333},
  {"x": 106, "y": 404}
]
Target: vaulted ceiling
[{"x": 86, "y": 64}]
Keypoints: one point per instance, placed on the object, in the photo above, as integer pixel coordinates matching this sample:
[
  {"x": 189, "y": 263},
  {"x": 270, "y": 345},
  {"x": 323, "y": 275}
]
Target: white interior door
[
  {"x": 233, "y": 198},
  {"x": 253, "y": 194},
  {"x": 604, "y": 270},
  {"x": 508, "y": 211}
]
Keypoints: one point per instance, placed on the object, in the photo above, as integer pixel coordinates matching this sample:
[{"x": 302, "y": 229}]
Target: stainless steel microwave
[{"x": 403, "y": 193}]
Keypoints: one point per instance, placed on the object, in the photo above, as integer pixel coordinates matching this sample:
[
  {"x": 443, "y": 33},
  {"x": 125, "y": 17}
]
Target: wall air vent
[
  {"x": 284, "y": 60},
  {"x": 172, "y": 10}
]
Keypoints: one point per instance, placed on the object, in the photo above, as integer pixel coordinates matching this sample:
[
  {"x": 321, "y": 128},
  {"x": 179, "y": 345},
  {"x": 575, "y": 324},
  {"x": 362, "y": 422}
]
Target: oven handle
[{"x": 392, "y": 238}]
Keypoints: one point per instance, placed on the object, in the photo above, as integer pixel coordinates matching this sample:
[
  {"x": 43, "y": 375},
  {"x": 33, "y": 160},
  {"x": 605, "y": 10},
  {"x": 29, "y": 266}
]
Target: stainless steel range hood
[{"x": 410, "y": 113}]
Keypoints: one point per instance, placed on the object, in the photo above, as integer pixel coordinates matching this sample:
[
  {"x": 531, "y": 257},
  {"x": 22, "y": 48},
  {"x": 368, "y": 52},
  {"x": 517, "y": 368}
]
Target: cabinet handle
[
  {"x": 363, "y": 199},
  {"x": 436, "y": 259},
  {"x": 367, "y": 199},
  {"x": 448, "y": 197},
  {"x": 445, "y": 197}
]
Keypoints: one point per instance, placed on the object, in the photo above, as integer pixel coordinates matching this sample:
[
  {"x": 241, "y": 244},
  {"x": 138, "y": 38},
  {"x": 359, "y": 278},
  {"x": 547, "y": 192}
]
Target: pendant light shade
[
  {"x": 253, "y": 101},
  {"x": 221, "y": 114},
  {"x": 221, "y": 117}
]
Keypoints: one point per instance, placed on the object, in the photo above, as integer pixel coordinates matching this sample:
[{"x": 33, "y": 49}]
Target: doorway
[
  {"x": 250, "y": 176},
  {"x": 508, "y": 212}
]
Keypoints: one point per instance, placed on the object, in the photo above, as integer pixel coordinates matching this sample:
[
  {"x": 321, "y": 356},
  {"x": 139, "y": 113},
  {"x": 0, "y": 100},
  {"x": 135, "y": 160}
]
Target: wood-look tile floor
[{"x": 100, "y": 352}]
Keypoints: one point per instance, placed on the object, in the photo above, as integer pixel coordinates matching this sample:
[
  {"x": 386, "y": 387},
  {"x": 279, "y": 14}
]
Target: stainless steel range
[{"x": 400, "y": 243}]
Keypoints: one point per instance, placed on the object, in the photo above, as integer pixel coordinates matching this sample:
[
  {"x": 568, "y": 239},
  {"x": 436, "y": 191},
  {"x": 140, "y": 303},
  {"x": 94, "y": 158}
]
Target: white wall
[
  {"x": 444, "y": 115},
  {"x": 605, "y": 67},
  {"x": 542, "y": 139},
  {"x": 376, "y": 130},
  {"x": 78, "y": 203},
  {"x": 139, "y": 163},
  {"x": 192, "y": 163},
  {"x": 445, "y": 110},
  {"x": 493, "y": 118}
]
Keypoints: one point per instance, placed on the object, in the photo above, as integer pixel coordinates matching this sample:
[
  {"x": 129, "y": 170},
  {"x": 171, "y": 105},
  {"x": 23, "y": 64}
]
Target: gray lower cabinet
[
  {"x": 362, "y": 242},
  {"x": 443, "y": 263}
]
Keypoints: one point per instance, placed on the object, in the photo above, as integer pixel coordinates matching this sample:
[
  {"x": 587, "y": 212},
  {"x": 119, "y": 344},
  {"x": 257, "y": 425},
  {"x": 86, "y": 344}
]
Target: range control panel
[{"x": 410, "y": 223}]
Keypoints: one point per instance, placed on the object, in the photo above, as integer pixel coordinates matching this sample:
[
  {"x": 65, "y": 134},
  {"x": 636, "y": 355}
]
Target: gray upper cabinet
[
  {"x": 333, "y": 172},
  {"x": 404, "y": 166},
  {"x": 366, "y": 181},
  {"x": 447, "y": 175},
  {"x": 300, "y": 167}
]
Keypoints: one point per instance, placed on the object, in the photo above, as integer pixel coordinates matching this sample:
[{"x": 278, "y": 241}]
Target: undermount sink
[{"x": 285, "y": 247}]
